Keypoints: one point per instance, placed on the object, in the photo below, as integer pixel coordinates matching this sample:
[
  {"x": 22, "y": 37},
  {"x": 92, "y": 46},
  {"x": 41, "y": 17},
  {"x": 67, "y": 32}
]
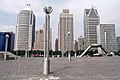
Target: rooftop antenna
[{"x": 28, "y": 5}]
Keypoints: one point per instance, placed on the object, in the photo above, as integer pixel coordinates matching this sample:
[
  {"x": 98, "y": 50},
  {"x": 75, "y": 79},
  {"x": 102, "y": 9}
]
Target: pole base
[
  {"x": 46, "y": 66},
  {"x": 75, "y": 54},
  {"x": 62, "y": 54},
  {"x": 5, "y": 57},
  {"x": 69, "y": 57}
]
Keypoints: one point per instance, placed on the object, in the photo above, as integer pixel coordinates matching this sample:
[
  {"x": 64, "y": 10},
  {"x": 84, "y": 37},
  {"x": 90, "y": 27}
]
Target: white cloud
[{"x": 7, "y": 28}]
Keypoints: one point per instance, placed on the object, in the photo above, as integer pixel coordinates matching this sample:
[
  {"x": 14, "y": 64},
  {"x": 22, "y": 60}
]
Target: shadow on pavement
[{"x": 60, "y": 70}]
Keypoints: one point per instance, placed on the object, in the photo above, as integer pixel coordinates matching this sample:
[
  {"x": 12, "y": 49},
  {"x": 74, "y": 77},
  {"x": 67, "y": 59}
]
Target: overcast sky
[{"x": 108, "y": 10}]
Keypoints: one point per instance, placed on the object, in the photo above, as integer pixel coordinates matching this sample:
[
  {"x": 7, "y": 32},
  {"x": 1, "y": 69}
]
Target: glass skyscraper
[
  {"x": 25, "y": 30},
  {"x": 91, "y": 20}
]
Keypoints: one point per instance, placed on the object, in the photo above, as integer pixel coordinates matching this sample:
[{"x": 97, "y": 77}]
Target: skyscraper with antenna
[
  {"x": 91, "y": 20},
  {"x": 25, "y": 29}
]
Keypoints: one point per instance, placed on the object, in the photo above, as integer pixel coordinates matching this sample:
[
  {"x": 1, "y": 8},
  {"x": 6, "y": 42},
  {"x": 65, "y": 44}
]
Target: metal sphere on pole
[
  {"x": 46, "y": 66},
  {"x": 6, "y": 46},
  {"x": 69, "y": 55}
]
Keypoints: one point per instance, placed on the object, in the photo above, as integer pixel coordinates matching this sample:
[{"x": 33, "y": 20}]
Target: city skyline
[{"x": 105, "y": 10}]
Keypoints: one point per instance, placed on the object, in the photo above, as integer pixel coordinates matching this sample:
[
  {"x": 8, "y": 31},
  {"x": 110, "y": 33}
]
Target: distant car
[
  {"x": 109, "y": 54},
  {"x": 97, "y": 55},
  {"x": 36, "y": 55}
]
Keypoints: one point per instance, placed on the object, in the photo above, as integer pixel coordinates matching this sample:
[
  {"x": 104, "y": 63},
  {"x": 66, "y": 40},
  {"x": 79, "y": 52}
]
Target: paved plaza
[{"x": 86, "y": 68}]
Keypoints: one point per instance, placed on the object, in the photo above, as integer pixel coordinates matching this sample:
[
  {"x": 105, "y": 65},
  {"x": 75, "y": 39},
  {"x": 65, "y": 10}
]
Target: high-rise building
[
  {"x": 10, "y": 41},
  {"x": 39, "y": 40},
  {"x": 91, "y": 20},
  {"x": 56, "y": 44},
  {"x": 118, "y": 43},
  {"x": 106, "y": 36},
  {"x": 25, "y": 30},
  {"x": 81, "y": 45},
  {"x": 65, "y": 26}
]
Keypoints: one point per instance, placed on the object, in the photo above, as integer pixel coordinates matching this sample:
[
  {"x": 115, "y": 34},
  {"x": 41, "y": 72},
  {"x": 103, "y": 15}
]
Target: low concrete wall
[
  {"x": 1, "y": 56},
  {"x": 7, "y": 57}
]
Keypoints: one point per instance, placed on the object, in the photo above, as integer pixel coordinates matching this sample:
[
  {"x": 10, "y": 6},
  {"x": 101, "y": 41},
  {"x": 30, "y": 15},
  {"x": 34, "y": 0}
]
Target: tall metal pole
[
  {"x": 47, "y": 17},
  {"x": 75, "y": 48},
  {"x": 106, "y": 41},
  {"x": 16, "y": 54},
  {"x": 26, "y": 52},
  {"x": 6, "y": 46},
  {"x": 69, "y": 53},
  {"x": 46, "y": 66}
]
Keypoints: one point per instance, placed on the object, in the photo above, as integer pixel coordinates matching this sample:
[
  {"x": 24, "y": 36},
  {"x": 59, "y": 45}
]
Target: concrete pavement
[{"x": 86, "y": 68}]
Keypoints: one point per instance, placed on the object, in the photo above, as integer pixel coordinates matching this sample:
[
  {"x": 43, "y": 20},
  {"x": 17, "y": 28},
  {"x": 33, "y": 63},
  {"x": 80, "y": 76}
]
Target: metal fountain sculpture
[{"x": 46, "y": 66}]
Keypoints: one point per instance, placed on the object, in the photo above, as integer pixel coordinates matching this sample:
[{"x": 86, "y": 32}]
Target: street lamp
[
  {"x": 75, "y": 48},
  {"x": 69, "y": 55},
  {"x": 46, "y": 66},
  {"x": 6, "y": 46},
  {"x": 26, "y": 54}
]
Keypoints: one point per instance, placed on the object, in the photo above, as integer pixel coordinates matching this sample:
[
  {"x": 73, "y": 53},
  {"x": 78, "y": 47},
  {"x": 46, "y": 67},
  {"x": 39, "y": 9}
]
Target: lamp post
[
  {"x": 69, "y": 55},
  {"x": 46, "y": 65},
  {"x": 26, "y": 54},
  {"x": 75, "y": 48},
  {"x": 6, "y": 46},
  {"x": 17, "y": 52}
]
